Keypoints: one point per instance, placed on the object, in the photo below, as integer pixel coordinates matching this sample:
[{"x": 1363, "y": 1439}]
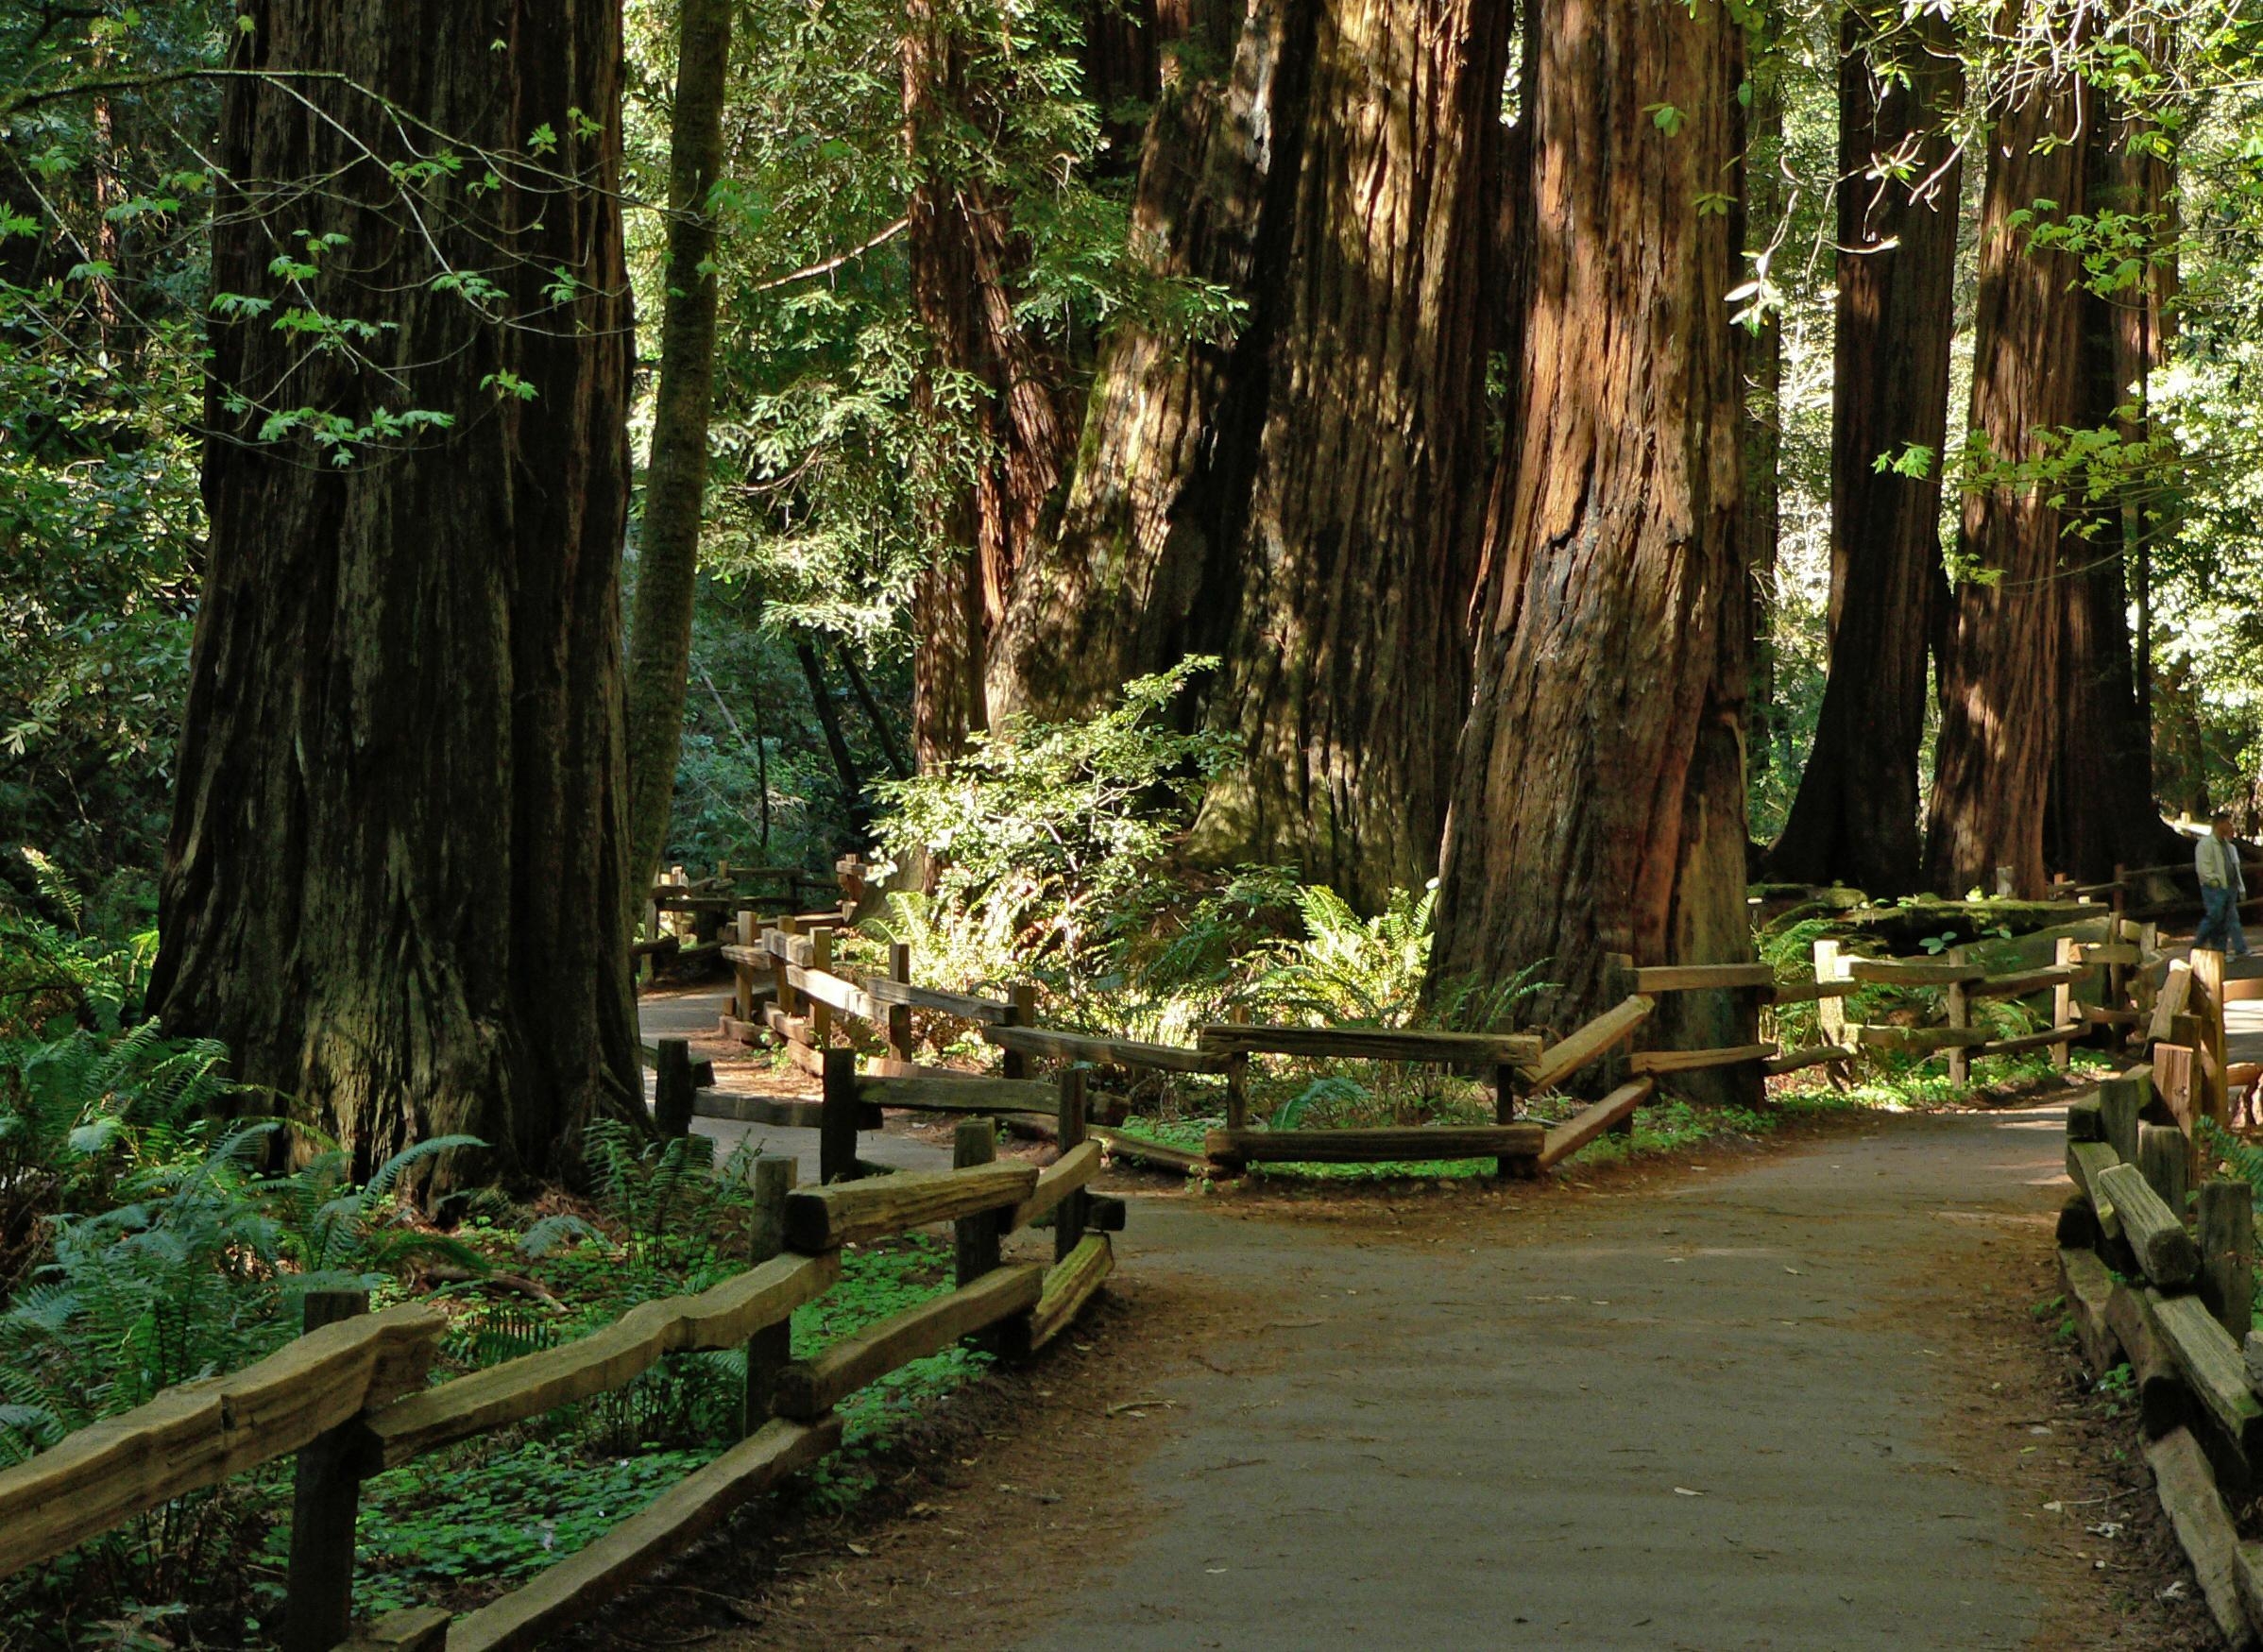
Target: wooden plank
[
  {"x": 2085, "y": 1163},
  {"x": 1069, "y": 1284},
  {"x": 2226, "y": 1231},
  {"x": 2121, "y": 1100},
  {"x": 197, "y": 1434},
  {"x": 2093, "y": 1015},
  {"x": 1912, "y": 972},
  {"x": 2212, "y": 1366},
  {"x": 2025, "y": 982},
  {"x": 2186, "y": 1486},
  {"x": 1684, "y": 978},
  {"x": 1065, "y": 1176},
  {"x": 1871, "y": 1035},
  {"x": 723, "y": 1316},
  {"x": 790, "y": 950},
  {"x": 836, "y": 993},
  {"x": 2161, "y": 1402},
  {"x": 532, "y": 1616},
  {"x": 1122, "y": 1052},
  {"x": 1366, "y": 1146},
  {"x": 2164, "y": 1249},
  {"x": 1155, "y": 1155},
  {"x": 967, "y": 1093},
  {"x": 1809, "y": 992},
  {"x": 2101, "y": 952},
  {"x": 415, "y": 1629},
  {"x": 2028, "y": 1040},
  {"x": 880, "y": 989},
  {"x": 2083, "y": 1121},
  {"x": 811, "y": 1387},
  {"x": 1605, "y": 1032},
  {"x": 824, "y": 1218},
  {"x": 703, "y": 1072},
  {"x": 787, "y": 1112},
  {"x": 1686, "y": 1061},
  {"x": 1484, "y": 1050},
  {"x": 2089, "y": 1292},
  {"x": 1567, "y": 1138},
  {"x": 2169, "y": 1003},
  {"x": 1792, "y": 1061}
]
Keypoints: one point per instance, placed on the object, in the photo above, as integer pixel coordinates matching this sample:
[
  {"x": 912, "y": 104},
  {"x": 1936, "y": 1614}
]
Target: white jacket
[{"x": 2217, "y": 860}]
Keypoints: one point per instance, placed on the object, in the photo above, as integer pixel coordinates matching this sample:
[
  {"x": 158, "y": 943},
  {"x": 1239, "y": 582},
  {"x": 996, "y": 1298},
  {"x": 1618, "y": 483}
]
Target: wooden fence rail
[{"x": 349, "y": 1398}]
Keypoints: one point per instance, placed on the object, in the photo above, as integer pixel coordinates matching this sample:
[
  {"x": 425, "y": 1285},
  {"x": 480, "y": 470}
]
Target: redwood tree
[
  {"x": 676, "y": 479},
  {"x": 1600, "y": 804},
  {"x": 1855, "y": 817},
  {"x": 2000, "y": 648},
  {"x": 396, "y": 883},
  {"x": 1303, "y": 501}
]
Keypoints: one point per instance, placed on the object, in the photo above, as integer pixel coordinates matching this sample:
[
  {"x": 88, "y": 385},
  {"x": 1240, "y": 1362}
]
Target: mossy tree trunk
[{"x": 397, "y": 876}]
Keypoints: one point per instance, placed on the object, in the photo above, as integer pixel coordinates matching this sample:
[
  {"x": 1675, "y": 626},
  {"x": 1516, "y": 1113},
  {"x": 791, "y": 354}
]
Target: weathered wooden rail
[
  {"x": 2176, "y": 1304},
  {"x": 348, "y": 1397}
]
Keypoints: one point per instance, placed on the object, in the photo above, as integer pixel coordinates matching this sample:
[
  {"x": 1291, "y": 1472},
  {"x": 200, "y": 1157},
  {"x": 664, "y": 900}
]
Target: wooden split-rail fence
[
  {"x": 349, "y": 1397},
  {"x": 790, "y": 989},
  {"x": 2158, "y": 1267}
]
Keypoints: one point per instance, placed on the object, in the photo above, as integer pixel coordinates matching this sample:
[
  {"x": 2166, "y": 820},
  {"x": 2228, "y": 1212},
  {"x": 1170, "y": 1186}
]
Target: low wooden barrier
[
  {"x": 348, "y": 1397},
  {"x": 2176, "y": 1304}
]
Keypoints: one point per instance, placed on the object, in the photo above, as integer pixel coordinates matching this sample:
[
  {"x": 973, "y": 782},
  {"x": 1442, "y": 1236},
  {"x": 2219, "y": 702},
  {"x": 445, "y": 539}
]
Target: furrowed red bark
[
  {"x": 1855, "y": 817},
  {"x": 2102, "y": 812},
  {"x": 675, "y": 480},
  {"x": 1307, "y": 498},
  {"x": 1999, "y": 665},
  {"x": 397, "y": 882},
  {"x": 1601, "y": 797},
  {"x": 964, "y": 257}
]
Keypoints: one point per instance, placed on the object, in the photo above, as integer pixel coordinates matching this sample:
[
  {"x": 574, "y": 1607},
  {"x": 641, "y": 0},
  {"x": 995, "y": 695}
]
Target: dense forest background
[{"x": 1588, "y": 461}]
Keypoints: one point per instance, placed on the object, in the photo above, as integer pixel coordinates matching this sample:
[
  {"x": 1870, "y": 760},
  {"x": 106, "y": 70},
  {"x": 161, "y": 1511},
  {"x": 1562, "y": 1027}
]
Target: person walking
[{"x": 2222, "y": 888}]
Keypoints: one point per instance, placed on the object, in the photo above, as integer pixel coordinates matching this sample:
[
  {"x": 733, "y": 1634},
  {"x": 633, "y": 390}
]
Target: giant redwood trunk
[
  {"x": 396, "y": 881},
  {"x": 1600, "y": 805},
  {"x": 1855, "y": 819},
  {"x": 989, "y": 488},
  {"x": 675, "y": 480},
  {"x": 1999, "y": 665},
  {"x": 1304, "y": 500},
  {"x": 2101, "y": 810}
]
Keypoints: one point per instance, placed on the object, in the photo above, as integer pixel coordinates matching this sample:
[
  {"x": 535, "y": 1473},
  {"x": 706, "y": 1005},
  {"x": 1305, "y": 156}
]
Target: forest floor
[{"x": 1804, "y": 1393}]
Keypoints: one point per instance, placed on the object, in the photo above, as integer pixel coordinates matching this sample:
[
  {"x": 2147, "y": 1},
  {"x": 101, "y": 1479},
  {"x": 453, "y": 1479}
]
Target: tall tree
[
  {"x": 675, "y": 475},
  {"x": 1600, "y": 804},
  {"x": 966, "y": 256},
  {"x": 1999, "y": 647},
  {"x": 2102, "y": 809},
  {"x": 1855, "y": 816},
  {"x": 397, "y": 878},
  {"x": 1306, "y": 501},
  {"x": 1761, "y": 366}
]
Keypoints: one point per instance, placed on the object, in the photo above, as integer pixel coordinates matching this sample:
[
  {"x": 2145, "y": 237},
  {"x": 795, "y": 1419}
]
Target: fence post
[
  {"x": 1068, "y": 1216},
  {"x": 2062, "y": 1000},
  {"x": 2206, "y": 1008},
  {"x": 1237, "y": 1075},
  {"x": 2227, "y": 1252},
  {"x": 1022, "y": 997},
  {"x": 837, "y": 1118},
  {"x": 1959, "y": 1018},
  {"x": 1831, "y": 1013},
  {"x": 821, "y": 1015},
  {"x": 2165, "y": 1160},
  {"x": 899, "y": 1016},
  {"x": 673, "y": 1087},
  {"x": 325, "y": 1504},
  {"x": 744, "y": 974},
  {"x": 2121, "y": 895},
  {"x": 769, "y": 1350},
  {"x": 975, "y": 1239},
  {"x": 788, "y": 925},
  {"x": 1619, "y": 981}
]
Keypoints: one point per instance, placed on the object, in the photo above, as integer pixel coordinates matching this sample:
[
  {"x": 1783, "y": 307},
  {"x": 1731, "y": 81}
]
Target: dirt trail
[{"x": 1714, "y": 1415}]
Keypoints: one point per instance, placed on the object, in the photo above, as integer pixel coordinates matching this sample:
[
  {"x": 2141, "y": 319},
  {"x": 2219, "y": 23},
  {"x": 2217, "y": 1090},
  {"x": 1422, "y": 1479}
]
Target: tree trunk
[
  {"x": 966, "y": 257},
  {"x": 1999, "y": 667},
  {"x": 1763, "y": 369},
  {"x": 845, "y": 763},
  {"x": 1855, "y": 817},
  {"x": 2101, "y": 810},
  {"x": 396, "y": 883},
  {"x": 1600, "y": 805},
  {"x": 676, "y": 479},
  {"x": 1305, "y": 501}
]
